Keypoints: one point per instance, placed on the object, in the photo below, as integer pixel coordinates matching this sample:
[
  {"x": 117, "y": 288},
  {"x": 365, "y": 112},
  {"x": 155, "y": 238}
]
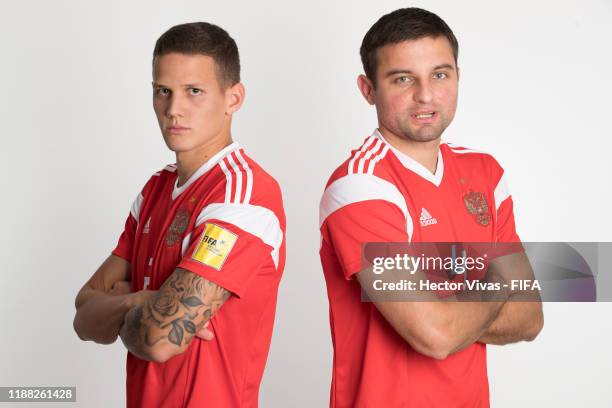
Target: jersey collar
[
  {"x": 413, "y": 165},
  {"x": 209, "y": 164}
]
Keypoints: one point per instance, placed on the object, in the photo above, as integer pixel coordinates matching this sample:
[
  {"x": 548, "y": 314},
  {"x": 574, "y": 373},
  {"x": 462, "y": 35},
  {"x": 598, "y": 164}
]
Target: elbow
[
  {"x": 79, "y": 327},
  {"x": 160, "y": 354},
  {"x": 76, "y": 325},
  {"x": 441, "y": 347},
  {"x": 157, "y": 358},
  {"x": 434, "y": 343},
  {"x": 535, "y": 327},
  {"x": 437, "y": 353},
  {"x": 85, "y": 333}
]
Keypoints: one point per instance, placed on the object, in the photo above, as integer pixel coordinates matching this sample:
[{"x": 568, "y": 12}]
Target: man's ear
[
  {"x": 234, "y": 96},
  {"x": 366, "y": 87}
]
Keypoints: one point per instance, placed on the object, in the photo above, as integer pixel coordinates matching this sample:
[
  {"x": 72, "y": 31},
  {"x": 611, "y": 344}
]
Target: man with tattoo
[
  {"x": 204, "y": 233},
  {"x": 405, "y": 185}
]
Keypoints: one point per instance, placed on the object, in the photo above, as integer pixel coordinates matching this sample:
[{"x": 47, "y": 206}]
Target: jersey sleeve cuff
[
  {"x": 212, "y": 275},
  {"x": 121, "y": 253},
  {"x": 351, "y": 269}
]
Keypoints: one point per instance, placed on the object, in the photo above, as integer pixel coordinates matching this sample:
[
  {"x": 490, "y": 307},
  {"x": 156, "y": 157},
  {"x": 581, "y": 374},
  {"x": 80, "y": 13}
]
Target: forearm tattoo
[{"x": 184, "y": 303}]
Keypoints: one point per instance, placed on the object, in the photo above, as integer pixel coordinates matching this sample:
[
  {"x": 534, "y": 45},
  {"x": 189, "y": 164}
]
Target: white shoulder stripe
[
  {"x": 378, "y": 158},
  {"x": 358, "y": 153},
  {"x": 249, "y": 177},
  {"x": 238, "y": 173},
  {"x": 228, "y": 179},
  {"x": 367, "y": 155},
  {"x": 501, "y": 191},
  {"x": 135, "y": 210},
  {"x": 355, "y": 188},
  {"x": 255, "y": 220},
  {"x": 464, "y": 150}
]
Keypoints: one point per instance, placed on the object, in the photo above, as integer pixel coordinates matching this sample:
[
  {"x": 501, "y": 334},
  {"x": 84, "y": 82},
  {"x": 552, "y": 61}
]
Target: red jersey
[
  {"x": 381, "y": 195},
  {"x": 234, "y": 208}
]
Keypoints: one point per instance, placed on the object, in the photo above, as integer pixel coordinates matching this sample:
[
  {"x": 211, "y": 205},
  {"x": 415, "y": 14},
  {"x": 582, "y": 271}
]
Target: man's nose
[
  {"x": 175, "y": 107},
  {"x": 423, "y": 93}
]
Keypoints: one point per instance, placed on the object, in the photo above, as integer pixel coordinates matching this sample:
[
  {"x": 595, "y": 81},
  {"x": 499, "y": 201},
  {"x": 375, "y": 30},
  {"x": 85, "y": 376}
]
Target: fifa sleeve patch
[{"x": 214, "y": 247}]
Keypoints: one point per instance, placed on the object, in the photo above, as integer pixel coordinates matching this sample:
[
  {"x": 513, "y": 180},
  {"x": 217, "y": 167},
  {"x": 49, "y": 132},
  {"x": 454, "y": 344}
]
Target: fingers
[
  {"x": 121, "y": 288},
  {"x": 205, "y": 333}
]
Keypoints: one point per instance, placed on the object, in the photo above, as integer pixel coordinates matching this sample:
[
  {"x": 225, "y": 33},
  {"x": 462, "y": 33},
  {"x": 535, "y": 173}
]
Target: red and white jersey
[
  {"x": 227, "y": 224},
  {"x": 381, "y": 195}
]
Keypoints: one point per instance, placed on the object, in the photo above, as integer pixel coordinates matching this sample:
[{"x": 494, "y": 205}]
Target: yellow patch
[{"x": 214, "y": 246}]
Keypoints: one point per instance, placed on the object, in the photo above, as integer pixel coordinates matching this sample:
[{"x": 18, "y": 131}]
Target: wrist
[{"x": 129, "y": 301}]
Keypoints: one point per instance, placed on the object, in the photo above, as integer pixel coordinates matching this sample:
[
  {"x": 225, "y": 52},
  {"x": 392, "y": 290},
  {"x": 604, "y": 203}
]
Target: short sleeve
[
  {"x": 347, "y": 229},
  {"x": 505, "y": 230},
  {"x": 232, "y": 243},
  {"x": 361, "y": 208},
  {"x": 125, "y": 246}
]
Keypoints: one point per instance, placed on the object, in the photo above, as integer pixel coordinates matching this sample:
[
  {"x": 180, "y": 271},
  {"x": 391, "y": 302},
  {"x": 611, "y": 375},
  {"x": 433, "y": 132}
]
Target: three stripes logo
[{"x": 426, "y": 218}]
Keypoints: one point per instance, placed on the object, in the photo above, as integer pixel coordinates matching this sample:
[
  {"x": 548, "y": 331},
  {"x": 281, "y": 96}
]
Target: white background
[{"x": 79, "y": 139}]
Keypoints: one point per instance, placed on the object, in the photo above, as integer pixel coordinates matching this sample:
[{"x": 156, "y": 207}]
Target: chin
[
  {"x": 177, "y": 144},
  {"x": 421, "y": 136}
]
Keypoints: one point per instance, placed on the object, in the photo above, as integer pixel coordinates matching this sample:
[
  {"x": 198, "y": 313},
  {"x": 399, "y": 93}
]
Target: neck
[
  {"x": 425, "y": 153},
  {"x": 188, "y": 162}
]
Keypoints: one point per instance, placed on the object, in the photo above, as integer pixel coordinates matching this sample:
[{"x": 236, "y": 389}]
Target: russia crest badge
[{"x": 477, "y": 206}]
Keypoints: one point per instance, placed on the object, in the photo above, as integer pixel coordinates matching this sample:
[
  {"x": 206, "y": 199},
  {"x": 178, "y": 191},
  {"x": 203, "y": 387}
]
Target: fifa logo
[{"x": 210, "y": 241}]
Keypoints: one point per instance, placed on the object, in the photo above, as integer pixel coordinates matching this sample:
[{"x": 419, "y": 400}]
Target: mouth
[
  {"x": 175, "y": 129},
  {"x": 424, "y": 117}
]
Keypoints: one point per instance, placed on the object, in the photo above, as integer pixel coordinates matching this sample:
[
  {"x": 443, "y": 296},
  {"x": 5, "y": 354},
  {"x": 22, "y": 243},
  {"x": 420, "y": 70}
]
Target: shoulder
[
  {"x": 248, "y": 196},
  {"x": 478, "y": 159},
  {"x": 160, "y": 177},
  {"x": 362, "y": 177},
  {"x": 368, "y": 158},
  {"x": 246, "y": 182}
]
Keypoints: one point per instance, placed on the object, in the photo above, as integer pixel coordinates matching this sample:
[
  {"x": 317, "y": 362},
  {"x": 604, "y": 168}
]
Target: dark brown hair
[
  {"x": 206, "y": 39},
  {"x": 398, "y": 26}
]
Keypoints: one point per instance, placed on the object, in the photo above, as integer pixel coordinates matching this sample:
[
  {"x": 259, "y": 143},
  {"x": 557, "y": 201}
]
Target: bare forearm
[
  {"x": 100, "y": 315},
  {"x": 517, "y": 321},
  {"x": 134, "y": 336},
  {"x": 164, "y": 325},
  {"x": 467, "y": 321}
]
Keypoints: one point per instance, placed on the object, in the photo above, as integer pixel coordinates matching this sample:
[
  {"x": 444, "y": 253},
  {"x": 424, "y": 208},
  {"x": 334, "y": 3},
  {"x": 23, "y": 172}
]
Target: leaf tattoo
[
  {"x": 176, "y": 333},
  {"x": 181, "y": 307},
  {"x": 189, "y": 326}
]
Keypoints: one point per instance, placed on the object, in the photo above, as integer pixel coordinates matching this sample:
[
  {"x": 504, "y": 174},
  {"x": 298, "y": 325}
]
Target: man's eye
[
  {"x": 163, "y": 91},
  {"x": 195, "y": 91},
  {"x": 440, "y": 75},
  {"x": 402, "y": 80}
]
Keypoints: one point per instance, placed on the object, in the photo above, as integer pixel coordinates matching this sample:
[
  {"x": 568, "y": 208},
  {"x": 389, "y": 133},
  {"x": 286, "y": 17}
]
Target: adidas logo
[
  {"x": 426, "y": 218},
  {"x": 145, "y": 229}
]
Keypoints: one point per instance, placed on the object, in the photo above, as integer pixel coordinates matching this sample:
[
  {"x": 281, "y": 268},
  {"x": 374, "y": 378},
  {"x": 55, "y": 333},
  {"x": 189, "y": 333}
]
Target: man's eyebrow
[
  {"x": 194, "y": 85},
  {"x": 398, "y": 71},
  {"x": 444, "y": 66},
  {"x": 407, "y": 71}
]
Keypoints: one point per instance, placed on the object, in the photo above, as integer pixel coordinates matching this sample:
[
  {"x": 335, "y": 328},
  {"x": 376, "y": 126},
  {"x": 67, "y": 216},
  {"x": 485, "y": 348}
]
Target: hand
[
  {"x": 205, "y": 333},
  {"x": 121, "y": 288},
  {"x": 139, "y": 298}
]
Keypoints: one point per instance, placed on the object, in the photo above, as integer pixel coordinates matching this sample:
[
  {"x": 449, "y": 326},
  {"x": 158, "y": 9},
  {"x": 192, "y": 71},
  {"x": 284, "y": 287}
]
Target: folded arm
[
  {"x": 100, "y": 306},
  {"x": 164, "y": 325},
  {"x": 521, "y": 318},
  {"x": 436, "y": 328}
]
